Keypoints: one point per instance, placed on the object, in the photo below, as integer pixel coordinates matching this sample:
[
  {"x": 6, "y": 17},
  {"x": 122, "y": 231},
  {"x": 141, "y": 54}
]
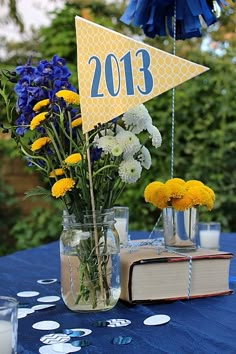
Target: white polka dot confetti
[
  {"x": 27, "y": 293},
  {"x": 54, "y": 338},
  {"x": 46, "y": 325},
  {"x": 48, "y": 299},
  {"x": 156, "y": 320},
  {"x": 42, "y": 307},
  {"x": 47, "y": 281},
  {"x": 65, "y": 348},
  {"x": 118, "y": 322}
]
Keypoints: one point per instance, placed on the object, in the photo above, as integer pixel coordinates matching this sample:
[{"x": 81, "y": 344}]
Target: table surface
[{"x": 199, "y": 326}]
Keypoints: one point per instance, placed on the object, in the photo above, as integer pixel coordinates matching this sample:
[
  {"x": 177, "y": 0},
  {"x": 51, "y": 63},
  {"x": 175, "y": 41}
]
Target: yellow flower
[
  {"x": 77, "y": 122},
  {"x": 150, "y": 190},
  {"x": 56, "y": 172},
  {"x": 73, "y": 159},
  {"x": 200, "y": 196},
  {"x": 39, "y": 143},
  {"x": 161, "y": 197},
  {"x": 183, "y": 203},
  {"x": 62, "y": 186},
  {"x": 176, "y": 180},
  {"x": 177, "y": 189},
  {"x": 41, "y": 104},
  {"x": 37, "y": 120},
  {"x": 69, "y": 96},
  {"x": 193, "y": 183}
]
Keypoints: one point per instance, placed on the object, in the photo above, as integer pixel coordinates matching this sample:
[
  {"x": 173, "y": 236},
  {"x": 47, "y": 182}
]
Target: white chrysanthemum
[
  {"x": 155, "y": 135},
  {"x": 105, "y": 132},
  {"x": 137, "y": 119},
  {"x": 130, "y": 170},
  {"x": 117, "y": 150},
  {"x": 145, "y": 158},
  {"x": 107, "y": 143},
  {"x": 129, "y": 142}
]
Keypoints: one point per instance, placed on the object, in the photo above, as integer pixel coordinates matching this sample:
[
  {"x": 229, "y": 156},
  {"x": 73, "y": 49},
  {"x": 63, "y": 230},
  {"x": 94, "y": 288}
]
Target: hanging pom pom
[{"x": 158, "y": 17}]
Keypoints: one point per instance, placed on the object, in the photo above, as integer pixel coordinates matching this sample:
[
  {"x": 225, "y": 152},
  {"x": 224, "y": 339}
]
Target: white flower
[
  {"x": 145, "y": 158},
  {"x": 155, "y": 135},
  {"x": 130, "y": 170},
  {"x": 137, "y": 119},
  {"x": 129, "y": 142},
  {"x": 105, "y": 132},
  {"x": 117, "y": 150},
  {"x": 107, "y": 143}
]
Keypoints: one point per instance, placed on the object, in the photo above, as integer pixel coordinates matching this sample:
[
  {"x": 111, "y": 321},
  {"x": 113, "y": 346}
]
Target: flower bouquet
[
  {"x": 179, "y": 201},
  {"x": 87, "y": 172}
]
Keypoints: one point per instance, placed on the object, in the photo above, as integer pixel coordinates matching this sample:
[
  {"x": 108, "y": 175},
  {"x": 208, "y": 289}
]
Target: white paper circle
[
  {"x": 54, "y": 338},
  {"x": 27, "y": 293},
  {"x": 47, "y": 349},
  {"x": 42, "y": 307},
  {"x": 25, "y": 311},
  {"x": 21, "y": 315},
  {"x": 65, "y": 348},
  {"x": 156, "y": 320},
  {"x": 46, "y": 325},
  {"x": 46, "y": 281},
  {"x": 118, "y": 322},
  {"x": 48, "y": 299},
  {"x": 85, "y": 330}
]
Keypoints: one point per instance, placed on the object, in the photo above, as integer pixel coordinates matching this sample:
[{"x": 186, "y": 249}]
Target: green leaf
[{"x": 37, "y": 191}]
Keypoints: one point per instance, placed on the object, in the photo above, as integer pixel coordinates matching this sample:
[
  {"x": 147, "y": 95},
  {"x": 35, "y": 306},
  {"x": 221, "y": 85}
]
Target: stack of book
[{"x": 147, "y": 276}]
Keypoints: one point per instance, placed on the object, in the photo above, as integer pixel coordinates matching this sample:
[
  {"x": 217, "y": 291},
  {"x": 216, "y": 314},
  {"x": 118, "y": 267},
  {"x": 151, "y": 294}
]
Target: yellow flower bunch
[{"x": 179, "y": 194}]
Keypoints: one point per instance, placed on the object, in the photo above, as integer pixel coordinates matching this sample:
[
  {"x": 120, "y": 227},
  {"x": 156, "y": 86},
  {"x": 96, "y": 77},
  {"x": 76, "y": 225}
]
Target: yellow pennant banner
[{"x": 116, "y": 73}]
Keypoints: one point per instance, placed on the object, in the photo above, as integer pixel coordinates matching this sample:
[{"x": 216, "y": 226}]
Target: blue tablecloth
[{"x": 199, "y": 326}]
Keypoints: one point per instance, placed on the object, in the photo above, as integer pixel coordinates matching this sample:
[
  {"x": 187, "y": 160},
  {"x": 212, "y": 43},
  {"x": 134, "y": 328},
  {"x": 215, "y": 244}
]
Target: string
[{"x": 173, "y": 103}]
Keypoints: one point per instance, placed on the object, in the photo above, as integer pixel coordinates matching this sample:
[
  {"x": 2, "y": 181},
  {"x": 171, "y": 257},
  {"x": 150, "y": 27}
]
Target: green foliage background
[{"x": 205, "y": 125}]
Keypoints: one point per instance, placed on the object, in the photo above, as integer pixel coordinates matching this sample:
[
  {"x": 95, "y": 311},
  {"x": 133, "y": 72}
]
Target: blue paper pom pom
[{"x": 177, "y": 18}]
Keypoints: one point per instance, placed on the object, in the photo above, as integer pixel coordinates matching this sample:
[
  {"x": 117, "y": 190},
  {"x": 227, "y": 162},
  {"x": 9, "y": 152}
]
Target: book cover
[{"x": 147, "y": 276}]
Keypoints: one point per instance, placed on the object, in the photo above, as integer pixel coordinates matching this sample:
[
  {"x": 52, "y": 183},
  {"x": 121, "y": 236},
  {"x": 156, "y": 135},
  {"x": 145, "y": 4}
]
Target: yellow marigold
[
  {"x": 183, "y": 203},
  {"x": 73, "y": 159},
  {"x": 200, "y": 196},
  {"x": 69, "y": 96},
  {"x": 56, "y": 172},
  {"x": 161, "y": 197},
  {"x": 193, "y": 183},
  {"x": 177, "y": 189},
  {"x": 211, "y": 192},
  {"x": 62, "y": 186},
  {"x": 150, "y": 190},
  {"x": 39, "y": 143},
  {"x": 37, "y": 120},
  {"x": 41, "y": 104},
  {"x": 176, "y": 180},
  {"x": 77, "y": 122}
]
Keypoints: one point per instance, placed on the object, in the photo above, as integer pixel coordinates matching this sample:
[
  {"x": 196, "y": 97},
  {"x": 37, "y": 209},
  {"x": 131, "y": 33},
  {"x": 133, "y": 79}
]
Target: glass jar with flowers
[
  {"x": 87, "y": 172},
  {"x": 179, "y": 201}
]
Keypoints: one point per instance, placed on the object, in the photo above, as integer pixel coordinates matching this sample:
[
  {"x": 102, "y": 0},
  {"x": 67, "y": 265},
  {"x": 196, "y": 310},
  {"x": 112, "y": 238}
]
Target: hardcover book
[{"x": 147, "y": 276}]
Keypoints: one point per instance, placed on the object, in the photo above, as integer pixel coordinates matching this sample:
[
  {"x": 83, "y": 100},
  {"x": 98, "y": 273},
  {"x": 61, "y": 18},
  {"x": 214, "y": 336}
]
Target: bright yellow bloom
[
  {"x": 161, "y": 197},
  {"x": 150, "y": 190},
  {"x": 62, "y": 186},
  {"x": 69, "y": 96},
  {"x": 193, "y": 183},
  {"x": 39, "y": 143},
  {"x": 37, "y": 120},
  {"x": 56, "y": 172},
  {"x": 177, "y": 189},
  {"x": 200, "y": 196},
  {"x": 176, "y": 180},
  {"x": 183, "y": 203},
  {"x": 77, "y": 122},
  {"x": 73, "y": 159},
  {"x": 41, "y": 104},
  {"x": 211, "y": 192}
]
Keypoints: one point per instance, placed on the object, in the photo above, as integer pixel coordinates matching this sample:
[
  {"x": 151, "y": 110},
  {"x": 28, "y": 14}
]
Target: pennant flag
[{"x": 116, "y": 73}]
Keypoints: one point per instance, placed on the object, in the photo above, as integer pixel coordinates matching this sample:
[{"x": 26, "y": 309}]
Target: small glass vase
[
  {"x": 90, "y": 263},
  {"x": 180, "y": 229}
]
